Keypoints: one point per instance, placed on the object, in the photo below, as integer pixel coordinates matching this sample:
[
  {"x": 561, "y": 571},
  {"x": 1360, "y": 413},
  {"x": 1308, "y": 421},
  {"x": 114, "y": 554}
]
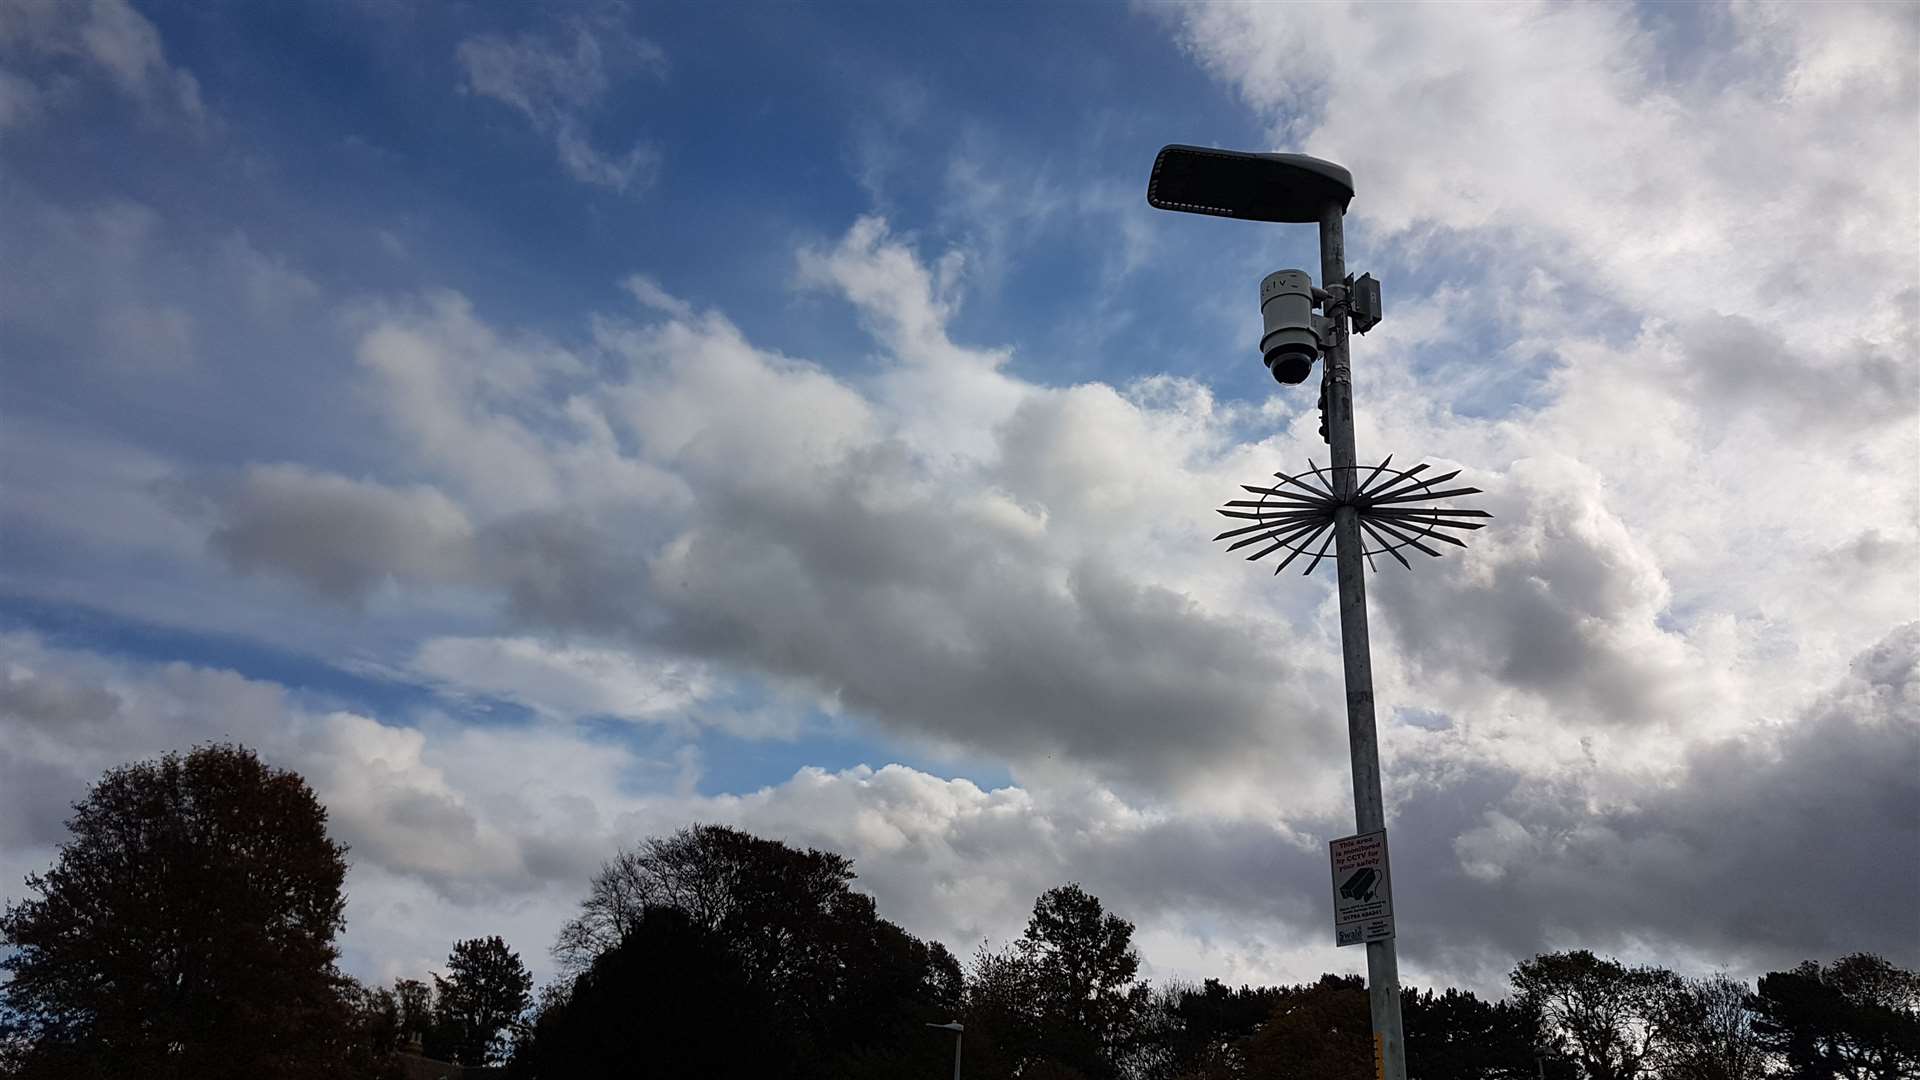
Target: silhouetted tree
[
  {"x": 478, "y": 1002},
  {"x": 1855, "y": 1019},
  {"x": 720, "y": 877},
  {"x": 1063, "y": 996},
  {"x": 1201, "y": 1033},
  {"x": 374, "y": 1032},
  {"x": 1323, "y": 1030},
  {"x": 1707, "y": 1032},
  {"x": 842, "y": 984},
  {"x": 413, "y": 1001},
  {"x": 1153, "y": 1053},
  {"x": 672, "y": 999},
  {"x": 1605, "y": 1014},
  {"x": 1001, "y": 1013},
  {"x": 1083, "y": 964},
  {"x": 551, "y": 998},
  {"x": 1454, "y": 1035},
  {"x": 879, "y": 992},
  {"x": 185, "y": 930}
]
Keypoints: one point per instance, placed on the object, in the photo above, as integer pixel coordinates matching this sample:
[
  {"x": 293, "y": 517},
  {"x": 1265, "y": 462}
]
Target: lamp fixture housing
[{"x": 1238, "y": 184}]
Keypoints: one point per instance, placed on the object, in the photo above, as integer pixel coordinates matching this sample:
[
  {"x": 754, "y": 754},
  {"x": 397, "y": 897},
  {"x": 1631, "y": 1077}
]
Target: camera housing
[{"x": 1291, "y": 340}]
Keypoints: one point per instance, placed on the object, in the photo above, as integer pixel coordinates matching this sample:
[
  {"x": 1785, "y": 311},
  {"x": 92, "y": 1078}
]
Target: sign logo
[{"x": 1362, "y": 891}]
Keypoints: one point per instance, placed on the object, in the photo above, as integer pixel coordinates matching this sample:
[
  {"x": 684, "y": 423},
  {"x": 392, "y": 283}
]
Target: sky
[{"x": 547, "y": 426}]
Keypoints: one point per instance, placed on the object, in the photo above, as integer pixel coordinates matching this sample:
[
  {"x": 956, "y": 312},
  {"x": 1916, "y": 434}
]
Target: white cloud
[
  {"x": 460, "y": 830},
  {"x": 556, "y": 88},
  {"x": 1733, "y": 179},
  {"x": 567, "y": 681},
  {"x": 948, "y": 396},
  {"x": 649, "y": 294},
  {"x": 477, "y": 408},
  {"x": 983, "y": 563},
  {"x": 1653, "y": 216},
  {"x": 337, "y": 535}
]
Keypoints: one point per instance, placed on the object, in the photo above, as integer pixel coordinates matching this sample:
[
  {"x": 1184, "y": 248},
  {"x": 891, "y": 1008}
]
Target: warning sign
[{"x": 1362, "y": 893}]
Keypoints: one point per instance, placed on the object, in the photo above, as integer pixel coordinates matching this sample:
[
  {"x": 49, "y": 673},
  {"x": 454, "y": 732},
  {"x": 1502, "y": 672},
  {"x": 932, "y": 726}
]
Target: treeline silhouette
[{"x": 186, "y": 930}]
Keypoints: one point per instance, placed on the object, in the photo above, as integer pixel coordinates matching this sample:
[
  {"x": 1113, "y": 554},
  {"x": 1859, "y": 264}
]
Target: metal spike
[
  {"x": 1362, "y": 486},
  {"x": 1425, "y": 519},
  {"x": 1400, "y": 477},
  {"x": 1290, "y": 530},
  {"x": 1317, "y": 556},
  {"x": 1386, "y": 545},
  {"x": 1389, "y": 492},
  {"x": 1427, "y": 495},
  {"x": 1278, "y": 494},
  {"x": 1255, "y": 528},
  {"x": 1411, "y": 539},
  {"x": 1262, "y": 504},
  {"x": 1273, "y": 515},
  {"x": 1289, "y": 541},
  {"x": 1305, "y": 486},
  {"x": 1297, "y": 552},
  {"x": 1396, "y": 511}
]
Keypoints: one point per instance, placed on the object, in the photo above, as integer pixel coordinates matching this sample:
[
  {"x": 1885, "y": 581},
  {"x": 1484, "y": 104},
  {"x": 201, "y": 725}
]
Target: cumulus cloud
[
  {"x": 728, "y": 503},
  {"x": 1691, "y": 441},
  {"x": 1656, "y": 178},
  {"x": 665, "y": 508},
  {"x": 567, "y": 681},
  {"x": 980, "y": 562},
  {"x": 1790, "y": 840},
  {"x": 1560, "y": 601},
  {"x": 340, "y": 536},
  {"x": 451, "y": 826},
  {"x": 556, "y": 85},
  {"x": 468, "y": 816}
]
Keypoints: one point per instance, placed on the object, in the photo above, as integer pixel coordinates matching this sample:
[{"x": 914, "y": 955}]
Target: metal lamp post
[
  {"x": 958, "y": 1030},
  {"x": 1383, "y": 512}
]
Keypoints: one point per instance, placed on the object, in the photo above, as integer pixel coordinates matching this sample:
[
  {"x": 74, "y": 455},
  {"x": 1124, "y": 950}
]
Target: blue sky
[
  {"x": 805, "y": 120},
  {"x": 547, "y": 425}
]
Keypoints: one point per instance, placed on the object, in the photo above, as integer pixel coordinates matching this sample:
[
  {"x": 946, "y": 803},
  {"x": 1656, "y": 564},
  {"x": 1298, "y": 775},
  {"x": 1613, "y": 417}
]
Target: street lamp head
[{"x": 1257, "y": 187}]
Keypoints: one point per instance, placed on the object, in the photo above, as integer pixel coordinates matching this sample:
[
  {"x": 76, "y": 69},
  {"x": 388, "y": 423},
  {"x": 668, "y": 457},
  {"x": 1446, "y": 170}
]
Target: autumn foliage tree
[{"x": 185, "y": 930}]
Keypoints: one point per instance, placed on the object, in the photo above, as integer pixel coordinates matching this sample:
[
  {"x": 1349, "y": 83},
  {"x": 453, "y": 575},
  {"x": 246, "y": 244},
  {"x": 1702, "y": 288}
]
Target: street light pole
[
  {"x": 1386, "y": 511},
  {"x": 1383, "y": 962}
]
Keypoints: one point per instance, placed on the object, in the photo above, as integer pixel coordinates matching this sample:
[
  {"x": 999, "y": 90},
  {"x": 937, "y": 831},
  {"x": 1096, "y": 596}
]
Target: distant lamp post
[
  {"x": 957, "y": 1028},
  {"x": 1384, "y": 512}
]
